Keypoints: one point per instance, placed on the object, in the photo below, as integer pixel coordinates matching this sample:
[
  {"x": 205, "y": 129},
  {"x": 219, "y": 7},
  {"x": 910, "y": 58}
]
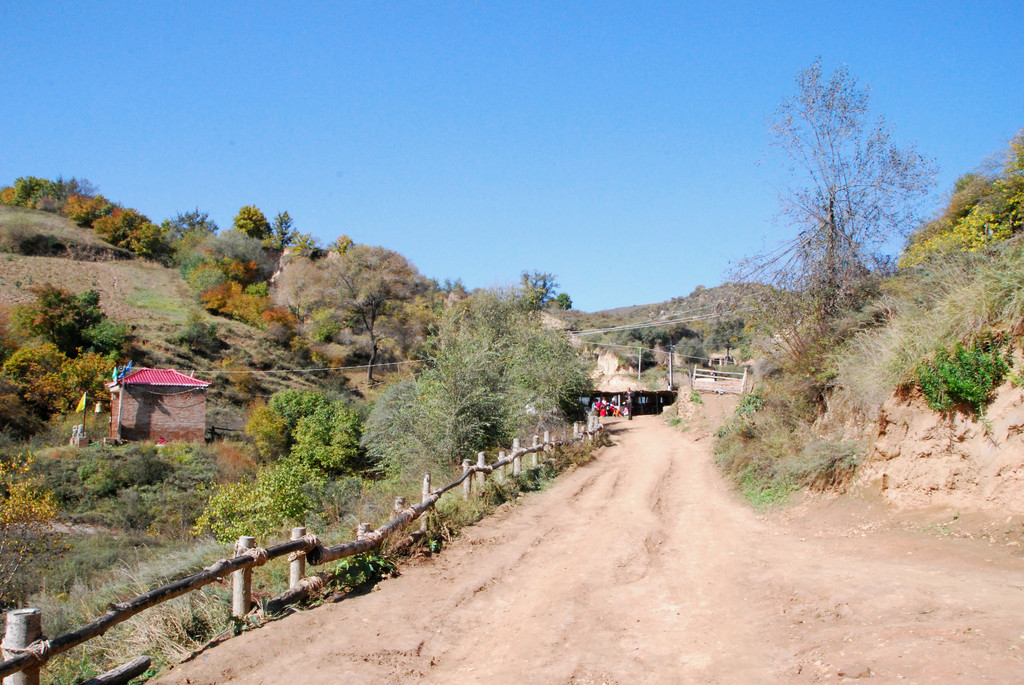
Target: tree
[
  {"x": 493, "y": 372},
  {"x": 282, "y": 232},
  {"x": 852, "y": 190},
  {"x": 983, "y": 208},
  {"x": 85, "y": 210},
  {"x": 328, "y": 439},
  {"x": 563, "y": 301},
  {"x": 61, "y": 317},
  {"x": 27, "y": 514},
  {"x": 537, "y": 289},
  {"x": 366, "y": 286},
  {"x": 191, "y": 227},
  {"x": 133, "y": 230},
  {"x": 726, "y": 333},
  {"x": 61, "y": 189},
  {"x": 29, "y": 189},
  {"x": 252, "y": 222}
]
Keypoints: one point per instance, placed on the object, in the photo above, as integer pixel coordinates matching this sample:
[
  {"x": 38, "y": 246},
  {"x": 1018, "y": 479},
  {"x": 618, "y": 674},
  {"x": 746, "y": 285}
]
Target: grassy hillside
[
  {"x": 153, "y": 299},
  {"x": 132, "y": 290},
  {"x": 30, "y": 231}
]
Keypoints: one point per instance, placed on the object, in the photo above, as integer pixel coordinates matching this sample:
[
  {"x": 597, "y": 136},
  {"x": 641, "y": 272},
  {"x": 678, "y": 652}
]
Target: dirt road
[{"x": 643, "y": 567}]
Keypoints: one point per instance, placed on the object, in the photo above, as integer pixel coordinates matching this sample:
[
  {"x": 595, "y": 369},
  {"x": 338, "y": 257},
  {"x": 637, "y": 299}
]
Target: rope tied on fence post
[
  {"x": 314, "y": 583},
  {"x": 311, "y": 540},
  {"x": 38, "y": 650},
  {"x": 258, "y": 554}
]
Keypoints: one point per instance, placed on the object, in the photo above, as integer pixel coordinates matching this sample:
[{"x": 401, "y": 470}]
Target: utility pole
[
  {"x": 671, "y": 356},
  {"x": 639, "y": 361}
]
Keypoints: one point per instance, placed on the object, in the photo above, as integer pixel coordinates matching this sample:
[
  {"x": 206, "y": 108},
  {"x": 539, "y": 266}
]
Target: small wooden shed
[{"x": 154, "y": 404}]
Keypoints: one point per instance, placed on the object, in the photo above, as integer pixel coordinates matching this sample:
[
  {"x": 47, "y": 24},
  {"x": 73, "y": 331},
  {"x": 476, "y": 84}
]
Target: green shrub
[
  {"x": 199, "y": 338},
  {"x": 966, "y": 377},
  {"x": 328, "y": 439},
  {"x": 279, "y": 496},
  {"x": 750, "y": 403},
  {"x": 363, "y": 570}
]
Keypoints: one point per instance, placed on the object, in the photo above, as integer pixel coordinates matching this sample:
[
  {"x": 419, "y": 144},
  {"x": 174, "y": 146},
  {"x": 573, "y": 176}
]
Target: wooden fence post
[
  {"x": 467, "y": 485},
  {"x": 24, "y": 626},
  {"x": 575, "y": 430},
  {"x": 241, "y": 580},
  {"x": 533, "y": 455},
  {"x": 481, "y": 477},
  {"x": 297, "y": 567},
  {"x": 547, "y": 441},
  {"x": 517, "y": 460},
  {"x": 426, "y": 496},
  {"x": 501, "y": 470},
  {"x": 399, "y": 505}
]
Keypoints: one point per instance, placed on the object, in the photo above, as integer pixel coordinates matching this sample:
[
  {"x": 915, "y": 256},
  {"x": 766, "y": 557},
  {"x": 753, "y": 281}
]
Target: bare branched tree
[
  {"x": 365, "y": 287},
  {"x": 851, "y": 190}
]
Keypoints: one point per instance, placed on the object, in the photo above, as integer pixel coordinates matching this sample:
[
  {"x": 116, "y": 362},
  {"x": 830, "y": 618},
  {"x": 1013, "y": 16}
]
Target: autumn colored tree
[
  {"x": 341, "y": 244},
  {"x": 29, "y": 189},
  {"x": 252, "y": 222},
  {"x": 983, "y": 208},
  {"x": 132, "y": 230},
  {"x": 27, "y": 514},
  {"x": 84, "y": 210},
  {"x": 48, "y": 382}
]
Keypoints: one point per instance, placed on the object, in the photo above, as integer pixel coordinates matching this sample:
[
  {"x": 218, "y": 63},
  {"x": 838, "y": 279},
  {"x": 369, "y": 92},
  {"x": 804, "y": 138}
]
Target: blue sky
[{"x": 617, "y": 145}]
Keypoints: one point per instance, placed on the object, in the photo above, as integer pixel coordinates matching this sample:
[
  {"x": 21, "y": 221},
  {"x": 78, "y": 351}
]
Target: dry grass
[
  {"x": 167, "y": 632},
  {"x": 19, "y": 221},
  {"x": 129, "y": 291},
  {"x": 960, "y": 299}
]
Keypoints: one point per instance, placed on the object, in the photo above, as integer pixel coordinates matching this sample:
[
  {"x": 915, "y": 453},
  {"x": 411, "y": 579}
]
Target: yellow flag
[{"x": 81, "y": 403}]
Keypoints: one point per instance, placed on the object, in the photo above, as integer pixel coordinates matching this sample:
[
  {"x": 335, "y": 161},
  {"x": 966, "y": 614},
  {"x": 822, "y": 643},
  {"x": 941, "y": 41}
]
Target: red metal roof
[{"x": 144, "y": 376}]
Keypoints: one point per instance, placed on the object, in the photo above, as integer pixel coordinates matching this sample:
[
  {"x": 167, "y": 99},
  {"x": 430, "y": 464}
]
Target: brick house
[{"x": 150, "y": 404}]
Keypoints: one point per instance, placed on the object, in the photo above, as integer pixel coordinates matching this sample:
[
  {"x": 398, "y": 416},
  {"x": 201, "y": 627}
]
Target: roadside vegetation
[{"x": 839, "y": 327}]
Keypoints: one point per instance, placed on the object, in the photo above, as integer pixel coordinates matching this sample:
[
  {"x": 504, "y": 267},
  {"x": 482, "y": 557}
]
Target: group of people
[{"x": 602, "y": 407}]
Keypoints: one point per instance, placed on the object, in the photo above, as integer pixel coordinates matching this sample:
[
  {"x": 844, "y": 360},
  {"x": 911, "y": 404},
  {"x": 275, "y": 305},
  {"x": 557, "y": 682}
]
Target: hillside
[
  {"x": 707, "y": 321},
  {"x": 38, "y": 248}
]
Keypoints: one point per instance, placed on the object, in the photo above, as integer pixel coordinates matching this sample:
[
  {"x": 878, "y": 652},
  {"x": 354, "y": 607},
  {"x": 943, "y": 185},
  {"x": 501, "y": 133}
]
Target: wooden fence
[{"x": 25, "y": 650}]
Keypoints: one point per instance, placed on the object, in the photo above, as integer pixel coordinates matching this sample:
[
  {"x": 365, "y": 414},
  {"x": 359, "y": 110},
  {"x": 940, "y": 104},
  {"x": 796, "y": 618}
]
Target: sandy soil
[{"x": 642, "y": 566}]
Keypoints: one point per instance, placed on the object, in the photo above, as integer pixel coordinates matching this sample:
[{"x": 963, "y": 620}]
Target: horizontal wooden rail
[{"x": 23, "y": 657}]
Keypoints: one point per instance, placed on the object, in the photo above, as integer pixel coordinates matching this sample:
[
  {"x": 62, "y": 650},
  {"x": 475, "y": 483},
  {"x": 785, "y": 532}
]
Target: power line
[
  {"x": 323, "y": 368},
  {"x": 634, "y": 347},
  {"x": 664, "y": 322},
  {"x": 657, "y": 324}
]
